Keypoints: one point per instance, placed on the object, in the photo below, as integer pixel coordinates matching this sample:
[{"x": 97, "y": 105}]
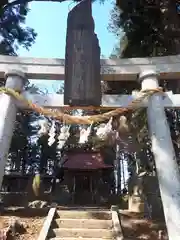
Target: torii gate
[
  {"x": 18, "y": 70},
  {"x": 147, "y": 71}
]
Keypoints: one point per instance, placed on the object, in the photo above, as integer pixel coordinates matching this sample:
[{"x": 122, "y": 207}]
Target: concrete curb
[
  {"x": 116, "y": 223},
  {"x": 47, "y": 223}
]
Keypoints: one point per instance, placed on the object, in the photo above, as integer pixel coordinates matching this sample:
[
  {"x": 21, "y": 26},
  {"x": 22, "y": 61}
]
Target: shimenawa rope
[{"x": 69, "y": 119}]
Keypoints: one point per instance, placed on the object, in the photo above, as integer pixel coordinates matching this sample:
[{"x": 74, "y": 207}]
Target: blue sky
[{"x": 49, "y": 21}]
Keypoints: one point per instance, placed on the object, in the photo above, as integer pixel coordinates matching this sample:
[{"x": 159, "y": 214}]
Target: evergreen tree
[
  {"x": 151, "y": 27},
  {"x": 14, "y": 32}
]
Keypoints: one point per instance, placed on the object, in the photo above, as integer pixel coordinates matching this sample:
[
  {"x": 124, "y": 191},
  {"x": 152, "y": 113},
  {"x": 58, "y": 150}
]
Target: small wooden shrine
[{"x": 89, "y": 176}]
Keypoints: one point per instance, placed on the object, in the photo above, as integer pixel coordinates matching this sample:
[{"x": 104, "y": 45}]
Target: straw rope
[{"x": 69, "y": 119}]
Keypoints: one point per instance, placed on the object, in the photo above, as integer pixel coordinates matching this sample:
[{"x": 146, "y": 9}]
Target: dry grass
[
  {"x": 32, "y": 220},
  {"x": 136, "y": 227}
]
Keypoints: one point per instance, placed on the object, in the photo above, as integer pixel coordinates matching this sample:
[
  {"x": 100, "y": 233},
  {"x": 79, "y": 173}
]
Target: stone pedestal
[{"x": 136, "y": 199}]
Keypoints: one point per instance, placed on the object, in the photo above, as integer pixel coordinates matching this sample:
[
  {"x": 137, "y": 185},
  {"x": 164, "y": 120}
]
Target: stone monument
[{"x": 82, "y": 60}]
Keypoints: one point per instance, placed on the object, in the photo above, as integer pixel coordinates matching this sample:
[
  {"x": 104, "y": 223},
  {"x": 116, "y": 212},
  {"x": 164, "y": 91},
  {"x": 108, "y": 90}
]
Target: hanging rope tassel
[{"x": 36, "y": 184}]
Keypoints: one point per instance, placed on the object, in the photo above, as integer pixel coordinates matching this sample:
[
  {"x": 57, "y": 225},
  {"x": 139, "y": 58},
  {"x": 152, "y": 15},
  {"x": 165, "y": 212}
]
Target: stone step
[
  {"x": 82, "y": 223},
  {"x": 81, "y": 233},
  {"x": 83, "y": 214}
]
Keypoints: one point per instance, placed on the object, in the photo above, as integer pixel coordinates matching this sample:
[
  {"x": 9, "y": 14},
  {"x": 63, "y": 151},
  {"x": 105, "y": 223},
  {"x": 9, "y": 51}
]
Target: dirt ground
[
  {"x": 31, "y": 219},
  {"x": 136, "y": 227}
]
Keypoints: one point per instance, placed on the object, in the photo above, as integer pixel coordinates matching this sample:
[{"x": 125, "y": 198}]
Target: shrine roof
[{"x": 85, "y": 161}]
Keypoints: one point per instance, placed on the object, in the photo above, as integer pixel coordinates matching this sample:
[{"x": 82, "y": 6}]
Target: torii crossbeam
[{"x": 111, "y": 70}]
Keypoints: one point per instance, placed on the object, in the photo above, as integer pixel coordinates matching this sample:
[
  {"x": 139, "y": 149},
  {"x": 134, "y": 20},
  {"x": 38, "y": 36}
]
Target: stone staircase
[{"x": 84, "y": 224}]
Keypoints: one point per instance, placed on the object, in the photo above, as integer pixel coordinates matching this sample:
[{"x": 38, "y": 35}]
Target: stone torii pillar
[
  {"x": 15, "y": 80},
  {"x": 165, "y": 159}
]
